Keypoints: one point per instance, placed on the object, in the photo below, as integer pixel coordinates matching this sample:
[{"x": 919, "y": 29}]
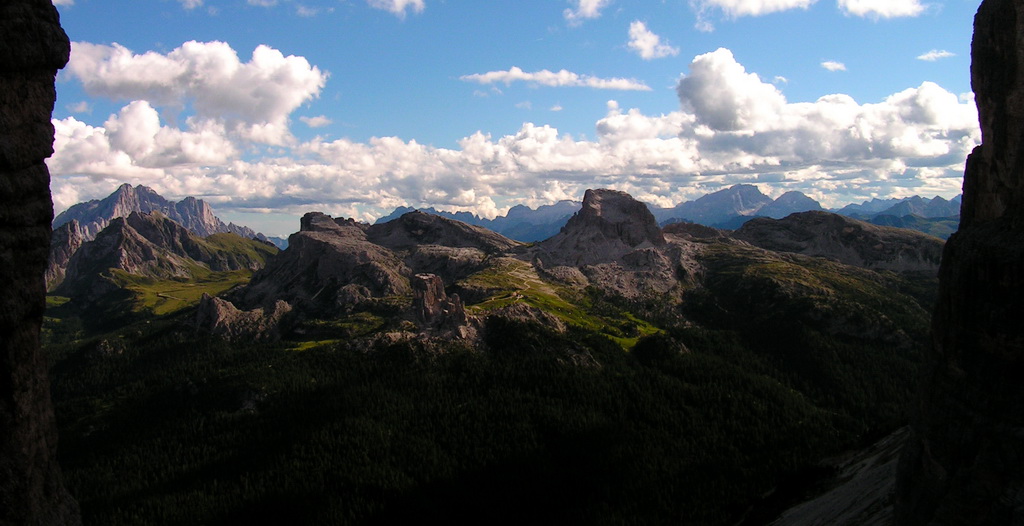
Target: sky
[{"x": 268, "y": 109}]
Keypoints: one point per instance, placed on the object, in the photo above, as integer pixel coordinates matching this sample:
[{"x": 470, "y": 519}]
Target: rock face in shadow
[
  {"x": 846, "y": 240},
  {"x": 32, "y": 48},
  {"x": 964, "y": 462}
]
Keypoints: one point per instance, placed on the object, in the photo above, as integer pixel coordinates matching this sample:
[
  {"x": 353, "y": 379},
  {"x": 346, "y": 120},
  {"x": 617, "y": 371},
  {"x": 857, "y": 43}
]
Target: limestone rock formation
[
  {"x": 845, "y": 240},
  {"x": 329, "y": 264},
  {"x": 221, "y": 318},
  {"x": 32, "y": 48},
  {"x": 609, "y": 225},
  {"x": 433, "y": 308},
  {"x": 964, "y": 462},
  {"x": 615, "y": 242},
  {"x": 65, "y": 241}
]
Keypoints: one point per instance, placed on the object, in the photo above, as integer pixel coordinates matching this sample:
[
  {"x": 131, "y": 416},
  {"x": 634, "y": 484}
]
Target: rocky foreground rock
[{"x": 32, "y": 48}]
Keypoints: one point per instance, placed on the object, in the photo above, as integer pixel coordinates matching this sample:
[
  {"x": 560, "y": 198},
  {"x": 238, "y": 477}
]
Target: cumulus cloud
[
  {"x": 647, "y": 44},
  {"x": 832, "y": 65},
  {"x": 316, "y": 122},
  {"x": 561, "y": 78},
  {"x": 724, "y": 96},
  {"x": 585, "y": 9},
  {"x": 253, "y": 99},
  {"x": 882, "y": 8},
  {"x": 398, "y": 7},
  {"x": 935, "y": 54},
  {"x": 730, "y": 127}
]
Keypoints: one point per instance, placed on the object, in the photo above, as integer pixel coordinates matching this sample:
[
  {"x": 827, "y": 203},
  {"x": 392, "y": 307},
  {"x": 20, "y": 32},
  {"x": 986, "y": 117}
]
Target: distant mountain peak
[{"x": 194, "y": 214}]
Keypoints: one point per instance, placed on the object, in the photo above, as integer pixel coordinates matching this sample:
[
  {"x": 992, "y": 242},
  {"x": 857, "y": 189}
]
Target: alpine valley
[{"x": 615, "y": 370}]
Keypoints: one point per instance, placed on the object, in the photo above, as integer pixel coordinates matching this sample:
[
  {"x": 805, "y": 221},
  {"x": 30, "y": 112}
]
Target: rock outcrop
[
  {"x": 32, "y": 48},
  {"x": 846, "y": 240},
  {"x": 963, "y": 462},
  {"x": 610, "y": 225},
  {"x": 435, "y": 309},
  {"x": 328, "y": 265},
  {"x": 221, "y": 318}
]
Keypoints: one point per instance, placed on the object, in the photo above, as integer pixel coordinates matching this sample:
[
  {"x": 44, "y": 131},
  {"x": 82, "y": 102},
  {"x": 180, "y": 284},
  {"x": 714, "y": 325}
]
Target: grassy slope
[{"x": 512, "y": 281}]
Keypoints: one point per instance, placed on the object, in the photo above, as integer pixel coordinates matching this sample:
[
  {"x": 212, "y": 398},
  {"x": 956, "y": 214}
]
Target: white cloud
[
  {"x": 63, "y": 2},
  {"x": 398, "y": 7},
  {"x": 557, "y": 107},
  {"x": 191, "y": 4},
  {"x": 585, "y": 9},
  {"x": 525, "y": 105},
  {"x": 561, "y": 78},
  {"x": 263, "y": 3},
  {"x": 253, "y": 99},
  {"x": 316, "y": 122},
  {"x": 882, "y": 8},
  {"x": 832, "y": 65},
  {"x": 647, "y": 44},
  {"x": 724, "y": 96},
  {"x": 736, "y": 8},
  {"x": 731, "y": 127},
  {"x": 935, "y": 54}
]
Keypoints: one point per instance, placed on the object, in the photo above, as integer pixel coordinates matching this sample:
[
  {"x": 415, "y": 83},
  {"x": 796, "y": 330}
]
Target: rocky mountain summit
[
  {"x": 191, "y": 213},
  {"x": 84, "y": 222},
  {"x": 153, "y": 246}
]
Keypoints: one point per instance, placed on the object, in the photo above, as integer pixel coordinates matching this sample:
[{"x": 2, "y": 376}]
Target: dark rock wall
[
  {"x": 964, "y": 463},
  {"x": 32, "y": 48}
]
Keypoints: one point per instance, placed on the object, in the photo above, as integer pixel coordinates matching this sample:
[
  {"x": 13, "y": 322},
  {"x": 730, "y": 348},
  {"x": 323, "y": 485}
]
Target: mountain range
[
  {"x": 728, "y": 209},
  {"x": 733, "y": 357}
]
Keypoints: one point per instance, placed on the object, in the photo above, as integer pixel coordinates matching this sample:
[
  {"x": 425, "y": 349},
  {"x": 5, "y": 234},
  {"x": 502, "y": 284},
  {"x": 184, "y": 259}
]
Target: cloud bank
[{"x": 730, "y": 127}]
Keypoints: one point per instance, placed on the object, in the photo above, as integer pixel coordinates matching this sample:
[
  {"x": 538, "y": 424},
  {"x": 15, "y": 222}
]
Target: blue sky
[{"x": 269, "y": 109}]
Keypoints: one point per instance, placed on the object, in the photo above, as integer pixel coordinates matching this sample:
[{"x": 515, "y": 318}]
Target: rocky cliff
[
  {"x": 32, "y": 48},
  {"x": 963, "y": 462}
]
